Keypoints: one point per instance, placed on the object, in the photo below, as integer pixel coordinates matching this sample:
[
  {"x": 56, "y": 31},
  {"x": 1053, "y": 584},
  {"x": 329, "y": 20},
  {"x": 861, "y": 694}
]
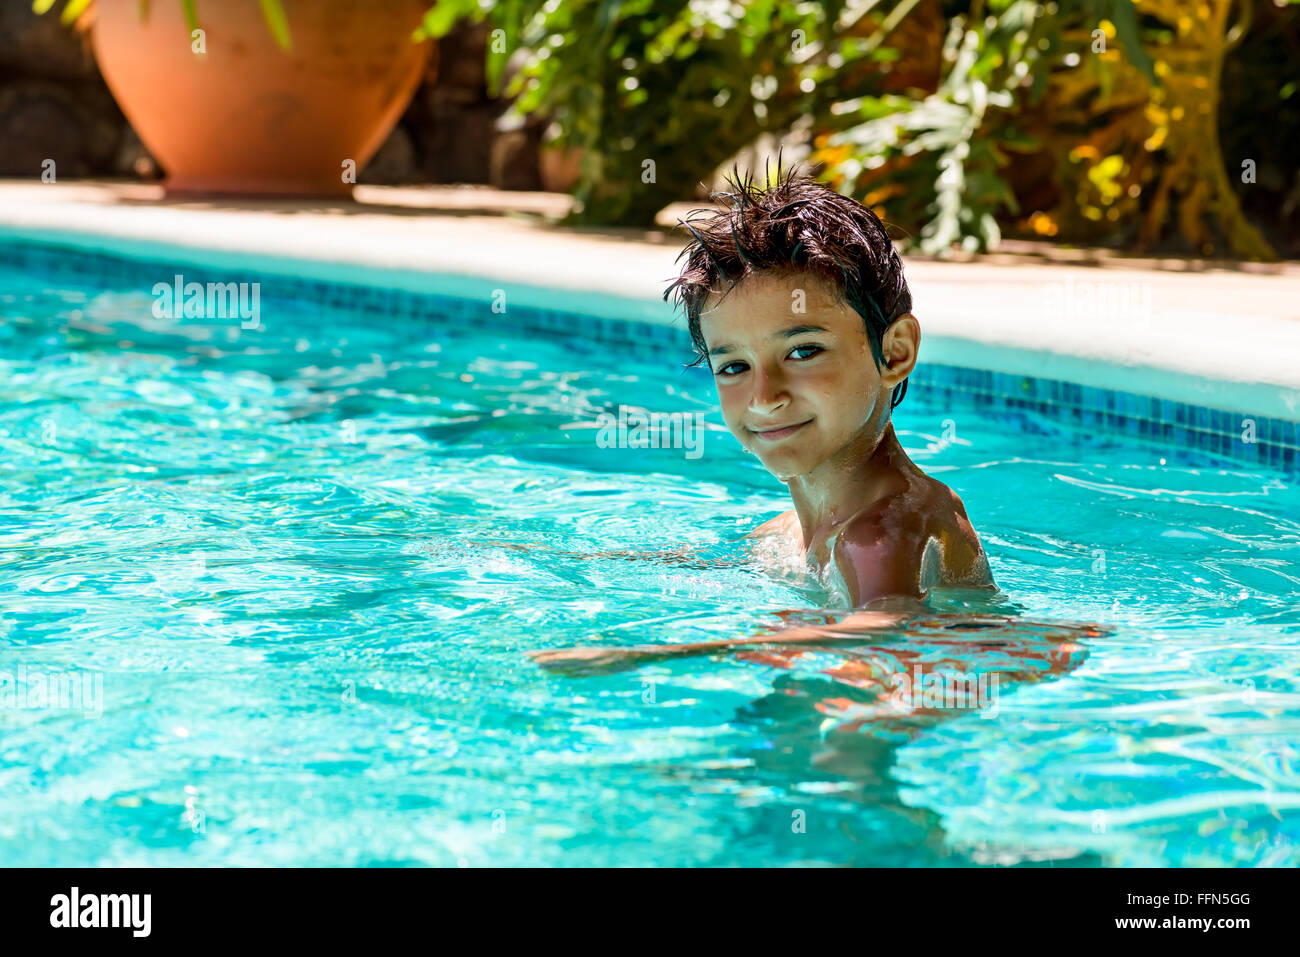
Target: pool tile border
[{"x": 1218, "y": 436}]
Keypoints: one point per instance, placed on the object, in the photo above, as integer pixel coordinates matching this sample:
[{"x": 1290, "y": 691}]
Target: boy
[{"x": 795, "y": 298}]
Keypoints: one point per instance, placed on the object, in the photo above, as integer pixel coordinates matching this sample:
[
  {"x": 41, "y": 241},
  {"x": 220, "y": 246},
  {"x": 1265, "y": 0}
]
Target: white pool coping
[{"x": 1218, "y": 338}]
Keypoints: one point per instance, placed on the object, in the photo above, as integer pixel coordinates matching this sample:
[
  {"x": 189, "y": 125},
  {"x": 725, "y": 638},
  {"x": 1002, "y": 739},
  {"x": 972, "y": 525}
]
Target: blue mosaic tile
[{"x": 1193, "y": 431}]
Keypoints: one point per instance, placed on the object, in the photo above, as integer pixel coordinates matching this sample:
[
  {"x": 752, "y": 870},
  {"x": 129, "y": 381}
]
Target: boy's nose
[{"x": 769, "y": 392}]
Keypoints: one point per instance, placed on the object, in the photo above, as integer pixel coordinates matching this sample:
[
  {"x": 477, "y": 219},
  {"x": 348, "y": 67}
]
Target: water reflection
[{"x": 840, "y": 709}]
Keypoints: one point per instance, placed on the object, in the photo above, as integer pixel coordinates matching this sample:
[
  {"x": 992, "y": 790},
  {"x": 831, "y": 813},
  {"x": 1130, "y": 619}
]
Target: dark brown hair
[{"x": 792, "y": 224}]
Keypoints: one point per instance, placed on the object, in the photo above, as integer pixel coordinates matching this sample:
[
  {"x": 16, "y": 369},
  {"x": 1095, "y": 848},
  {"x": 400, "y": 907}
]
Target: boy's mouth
[{"x": 779, "y": 432}]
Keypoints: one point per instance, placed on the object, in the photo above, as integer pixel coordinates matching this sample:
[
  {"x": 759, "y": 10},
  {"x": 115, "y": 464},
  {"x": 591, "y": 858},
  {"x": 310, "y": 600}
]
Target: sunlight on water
[{"x": 305, "y": 566}]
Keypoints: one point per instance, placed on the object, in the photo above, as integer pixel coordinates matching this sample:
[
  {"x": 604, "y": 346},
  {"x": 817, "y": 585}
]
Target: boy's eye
[
  {"x": 805, "y": 351},
  {"x": 809, "y": 348}
]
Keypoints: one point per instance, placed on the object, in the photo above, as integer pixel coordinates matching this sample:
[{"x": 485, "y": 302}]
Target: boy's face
[{"x": 796, "y": 379}]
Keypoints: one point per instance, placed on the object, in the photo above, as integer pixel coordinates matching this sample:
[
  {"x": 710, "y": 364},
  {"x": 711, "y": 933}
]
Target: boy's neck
[{"x": 850, "y": 481}]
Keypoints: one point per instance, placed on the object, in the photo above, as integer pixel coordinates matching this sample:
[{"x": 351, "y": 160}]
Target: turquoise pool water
[{"x": 305, "y": 563}]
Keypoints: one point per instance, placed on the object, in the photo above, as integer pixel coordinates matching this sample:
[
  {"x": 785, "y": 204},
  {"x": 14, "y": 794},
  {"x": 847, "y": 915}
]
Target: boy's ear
[{"x": 900, "y": 346}]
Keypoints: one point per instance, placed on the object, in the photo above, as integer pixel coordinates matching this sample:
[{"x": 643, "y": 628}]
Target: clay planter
[
  {"x": 247, "y": 117},
  {"x": 559, "y": 169}
]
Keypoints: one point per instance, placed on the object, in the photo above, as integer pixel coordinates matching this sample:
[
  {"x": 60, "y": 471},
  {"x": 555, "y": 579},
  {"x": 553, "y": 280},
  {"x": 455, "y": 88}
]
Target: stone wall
[
  {"x": 52, "y": 100},
  {"x": 53, "y": 103},
  {"x": 450, "y": 133}
]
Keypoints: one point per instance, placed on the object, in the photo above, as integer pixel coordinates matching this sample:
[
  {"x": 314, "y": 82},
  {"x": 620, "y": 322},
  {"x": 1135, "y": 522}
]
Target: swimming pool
[{"x": 303, "y": 565}]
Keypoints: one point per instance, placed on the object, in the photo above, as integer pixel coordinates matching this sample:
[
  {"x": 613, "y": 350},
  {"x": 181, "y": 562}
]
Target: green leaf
[
  {"x": 443, "y": 15},
  {"x": 1123, "y": 13},
  {"x": 41, "y": 6},
  {"x": 510, "y": 14},
  {"x": 607, "y": 16},
  {"x": 191, "y": 15},
  {"x": 74, "y": 9},
  {"x": 278, "y": 24}
]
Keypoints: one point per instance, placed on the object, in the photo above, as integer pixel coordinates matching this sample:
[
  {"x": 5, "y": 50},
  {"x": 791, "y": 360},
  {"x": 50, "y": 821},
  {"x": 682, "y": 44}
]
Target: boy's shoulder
[
  {"x": 921, "y": 505},
  {"x": 911, "y": 540}
]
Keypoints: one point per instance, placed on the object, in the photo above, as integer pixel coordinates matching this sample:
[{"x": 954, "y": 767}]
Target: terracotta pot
[
  {"x": 247, "y": 117},
  {"x": 560, "y": 169}
]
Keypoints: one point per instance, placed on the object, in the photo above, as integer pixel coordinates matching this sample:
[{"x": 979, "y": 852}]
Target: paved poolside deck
[{"x": 1212, "y": 334}]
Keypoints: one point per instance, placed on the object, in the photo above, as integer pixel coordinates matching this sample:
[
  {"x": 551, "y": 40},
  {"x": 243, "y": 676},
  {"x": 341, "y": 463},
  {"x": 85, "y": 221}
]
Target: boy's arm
[
  {"x": 877, "y": 559},
  {"x": 851, "y": 627},
  {"x": 684, "y": 555},
  {"x": 963, "y": 544}
]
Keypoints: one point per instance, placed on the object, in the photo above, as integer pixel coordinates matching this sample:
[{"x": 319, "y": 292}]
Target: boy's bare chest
[{"x": 917, "y": 557}]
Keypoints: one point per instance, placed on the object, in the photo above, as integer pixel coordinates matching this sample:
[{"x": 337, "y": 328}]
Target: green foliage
[
  {"x": 941, "y": 155},
  {"x": 658, "y": 93},
  {"x": 1123, "y": 14},
  {"x": 1261, "y": 91},
  {"x": 944, "y": 167},
  {"x": 272, "y": 13}
]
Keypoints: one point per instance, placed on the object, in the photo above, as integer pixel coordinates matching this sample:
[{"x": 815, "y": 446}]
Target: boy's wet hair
[{"x": 792, "y": 224}]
